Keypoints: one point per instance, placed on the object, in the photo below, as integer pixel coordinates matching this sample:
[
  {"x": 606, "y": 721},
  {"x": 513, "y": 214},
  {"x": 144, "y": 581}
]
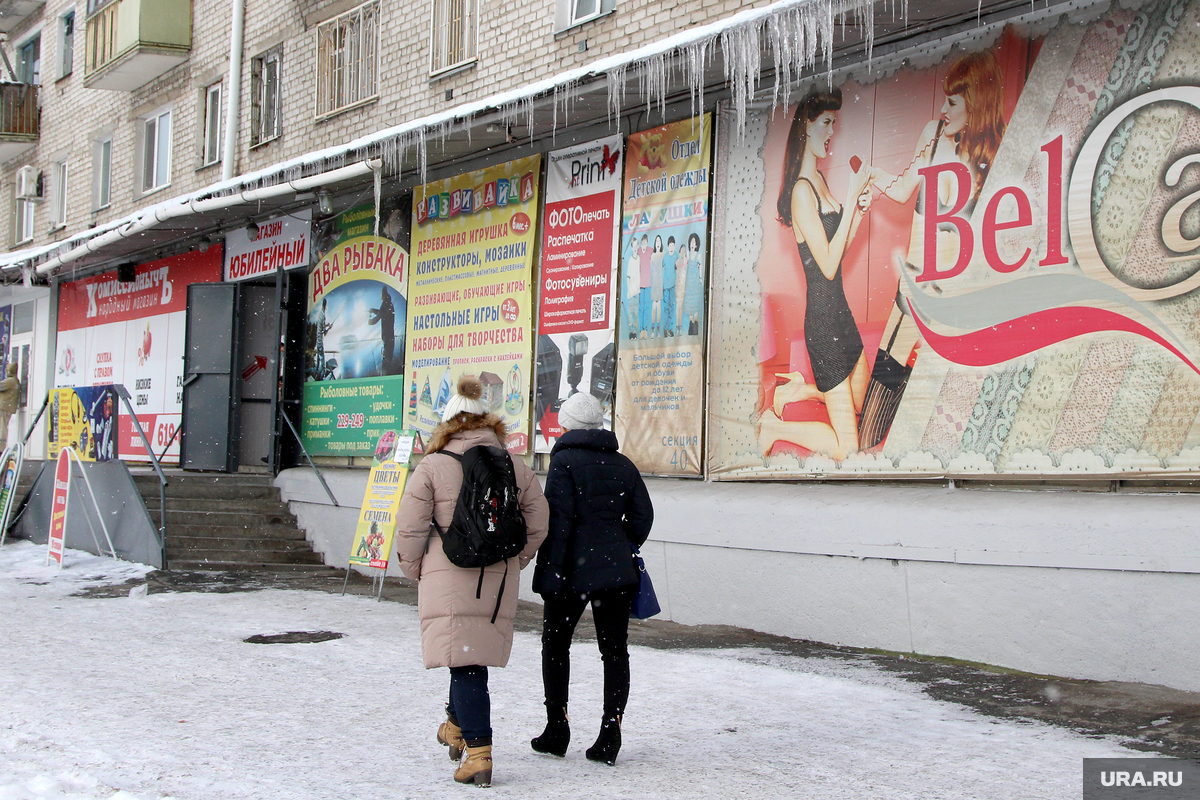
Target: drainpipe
[{"x": 234, "y": 107}]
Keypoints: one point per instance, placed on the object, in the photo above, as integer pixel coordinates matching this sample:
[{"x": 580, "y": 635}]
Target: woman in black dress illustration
[{"x": 823, "y": 229}]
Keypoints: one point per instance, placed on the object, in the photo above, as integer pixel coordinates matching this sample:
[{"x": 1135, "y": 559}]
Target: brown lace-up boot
[
  {"x": 476, "y": 768},
  {"x": 450, "y": 735}
]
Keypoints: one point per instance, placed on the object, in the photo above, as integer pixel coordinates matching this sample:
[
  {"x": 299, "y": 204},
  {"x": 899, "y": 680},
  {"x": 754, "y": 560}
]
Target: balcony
[
  {"x": 13, "y": 13},
  {"x": 18, "y": 119},
  {"x": 132, "y": 42}
]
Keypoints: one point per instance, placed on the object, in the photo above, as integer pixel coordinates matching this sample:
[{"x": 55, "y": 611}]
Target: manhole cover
[{"x": 293, "y": 637}]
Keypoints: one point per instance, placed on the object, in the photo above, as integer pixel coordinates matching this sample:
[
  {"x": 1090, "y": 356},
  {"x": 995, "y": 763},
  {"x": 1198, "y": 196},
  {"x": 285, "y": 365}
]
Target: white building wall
[{"x": 1080, "y": 585}]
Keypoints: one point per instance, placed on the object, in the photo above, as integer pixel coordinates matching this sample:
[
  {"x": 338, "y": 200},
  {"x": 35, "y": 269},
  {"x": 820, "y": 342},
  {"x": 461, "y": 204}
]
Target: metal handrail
[
  {"x": 320, "y": 477},
  {"x": 36, "y": 420},
  {"x": 170, "y": 442},
  {"x": 162, "y": 479}
]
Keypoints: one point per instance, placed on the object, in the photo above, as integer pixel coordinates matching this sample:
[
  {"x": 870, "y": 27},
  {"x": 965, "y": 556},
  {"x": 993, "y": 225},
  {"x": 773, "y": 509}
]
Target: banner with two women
[{"x": 986, "y": 265}]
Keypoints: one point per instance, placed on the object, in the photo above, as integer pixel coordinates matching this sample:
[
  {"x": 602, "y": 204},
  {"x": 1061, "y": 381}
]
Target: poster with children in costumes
[{"x": 664, "y": 252}]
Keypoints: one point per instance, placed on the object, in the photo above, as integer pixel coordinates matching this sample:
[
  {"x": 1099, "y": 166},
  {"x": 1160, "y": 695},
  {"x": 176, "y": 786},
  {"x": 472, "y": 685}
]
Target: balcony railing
[
  {"x": 19, "y": 122},
  {"x": 18, "y": 112},
  {"x": 131, "y": 42},
  {"x": 101, "y": 38}
]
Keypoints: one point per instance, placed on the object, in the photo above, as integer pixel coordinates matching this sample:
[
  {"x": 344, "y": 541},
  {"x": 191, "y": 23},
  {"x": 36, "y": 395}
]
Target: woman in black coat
[{"x": 599, "y": 511}]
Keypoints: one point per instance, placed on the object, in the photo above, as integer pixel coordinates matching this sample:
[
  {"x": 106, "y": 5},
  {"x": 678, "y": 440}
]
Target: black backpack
[{"x": 488, "y": 526}]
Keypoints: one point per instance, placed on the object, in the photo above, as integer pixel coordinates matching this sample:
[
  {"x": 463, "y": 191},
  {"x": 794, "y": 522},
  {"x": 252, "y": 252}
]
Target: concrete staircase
[{"x": 227, "y": 522}]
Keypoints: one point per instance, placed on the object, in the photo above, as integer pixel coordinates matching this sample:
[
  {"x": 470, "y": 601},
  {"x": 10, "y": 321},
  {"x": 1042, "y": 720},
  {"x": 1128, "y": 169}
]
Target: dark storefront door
[
  {"x": 210, "y": 400},
  {"x": 258, "y": 371}
]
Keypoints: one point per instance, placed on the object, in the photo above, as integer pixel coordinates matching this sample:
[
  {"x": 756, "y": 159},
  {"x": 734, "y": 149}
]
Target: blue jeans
[
  {"x": 668, "y": 308},
  {"x": 470, "y": 704},
  {"x": 644, "y": 308}
]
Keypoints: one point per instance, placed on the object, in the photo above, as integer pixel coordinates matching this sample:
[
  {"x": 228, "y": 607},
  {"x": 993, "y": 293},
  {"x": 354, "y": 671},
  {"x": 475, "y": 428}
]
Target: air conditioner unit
[{"x": 28, "y": 185}]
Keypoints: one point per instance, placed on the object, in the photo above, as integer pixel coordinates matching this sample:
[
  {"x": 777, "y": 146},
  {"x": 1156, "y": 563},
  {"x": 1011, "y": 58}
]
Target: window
[
  {"x": 22, "y": 317},
  {"x": 211, "y": 150},
  {"x": 265, "y": 116},
  {"x": 23, "y": 221},
  {"x": 347, "y": 59},
  {"x": 569, "y": 13},
  {"x": 102, "y": 173},
  {"x": 156, "y": 151},
  {"x": 453, "y": 42},
  {"x": 66, "y": 44},
  {"x": 58, "y": 194},
  {"x": 29, "y": 61}
]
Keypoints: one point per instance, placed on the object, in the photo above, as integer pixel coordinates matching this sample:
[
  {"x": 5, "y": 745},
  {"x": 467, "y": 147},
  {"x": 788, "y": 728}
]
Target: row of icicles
[{"x": 796, "y": 33}]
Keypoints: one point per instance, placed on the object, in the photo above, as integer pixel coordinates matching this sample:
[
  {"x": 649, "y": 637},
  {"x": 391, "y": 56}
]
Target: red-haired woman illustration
[
  {"x": 823, "y": 229},
  {"x": 969, "y": 131}
]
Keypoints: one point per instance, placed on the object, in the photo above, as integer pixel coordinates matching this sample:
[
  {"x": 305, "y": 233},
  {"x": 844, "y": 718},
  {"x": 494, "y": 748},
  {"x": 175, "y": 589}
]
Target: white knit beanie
[
  {"x": 466, "y": 398},
  {"x": 581, "y": 411}
]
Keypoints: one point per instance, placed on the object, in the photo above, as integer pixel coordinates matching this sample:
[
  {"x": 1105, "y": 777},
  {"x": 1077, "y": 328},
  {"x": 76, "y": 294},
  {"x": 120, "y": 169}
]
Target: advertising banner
[
  {"x": 10, "y": 473},
  {"x": 989, "y": 265},
  {"x": 355, "y": 348},
  {"x": 473, "y": 243},
  {"x": 580, "y": 235},
  {"x": 84, "y": 418},
  {"x": 132, "y": 333},
  {"x": 664, "y": 250},
  {"x": 376, "y": 529},
  {"x": 59, "y": 501},
  {"x": 281, "y": 243}
]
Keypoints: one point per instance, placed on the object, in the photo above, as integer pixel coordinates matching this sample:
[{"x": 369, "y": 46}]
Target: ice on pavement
[{"x": 149, "y": 697}]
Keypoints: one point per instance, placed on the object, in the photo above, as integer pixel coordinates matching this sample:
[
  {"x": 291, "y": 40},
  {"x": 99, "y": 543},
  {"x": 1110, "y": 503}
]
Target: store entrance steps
[{"x": 227, "y": 523}]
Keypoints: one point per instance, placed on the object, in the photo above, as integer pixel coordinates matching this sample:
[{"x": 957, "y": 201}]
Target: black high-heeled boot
[
  {"x": 557, "y": 736},
  {"x": 608, "y": 743}
]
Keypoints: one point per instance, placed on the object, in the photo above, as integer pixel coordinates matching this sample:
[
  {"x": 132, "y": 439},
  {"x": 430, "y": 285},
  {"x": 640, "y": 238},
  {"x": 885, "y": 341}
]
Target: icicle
[
  {"x": 616, "y": 91},
  {"x": 554, "y": 116},
  {"x": 740, "y": 47},
  {"x": 694, "y": 61},
  {"x": 564, "y": 94},
  {"x": 652, "y": 83},
  {"x": 378, "y": 174},
  {"x": 421, "y": 152}
]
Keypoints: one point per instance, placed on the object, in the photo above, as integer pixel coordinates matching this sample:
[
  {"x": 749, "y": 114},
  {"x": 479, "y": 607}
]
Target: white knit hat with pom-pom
[{"x": 466, "y": 398}]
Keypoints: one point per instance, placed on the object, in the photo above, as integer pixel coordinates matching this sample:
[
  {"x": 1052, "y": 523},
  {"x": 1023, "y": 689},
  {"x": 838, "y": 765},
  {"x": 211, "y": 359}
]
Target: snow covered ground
[{"x": 158, "y": 696}]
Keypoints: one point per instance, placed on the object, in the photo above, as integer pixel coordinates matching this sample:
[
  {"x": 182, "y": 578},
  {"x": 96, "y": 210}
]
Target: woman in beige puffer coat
[{"x": 457, "y": 628}]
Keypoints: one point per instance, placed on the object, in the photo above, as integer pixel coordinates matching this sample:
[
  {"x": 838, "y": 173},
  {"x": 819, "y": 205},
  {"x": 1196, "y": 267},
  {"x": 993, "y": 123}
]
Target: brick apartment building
[{"x": 145, "y": 134}]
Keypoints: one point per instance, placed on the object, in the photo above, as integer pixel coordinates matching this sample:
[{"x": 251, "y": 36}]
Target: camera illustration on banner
[
  {"x": 568, "y": 363},
  {"x": 577, "y": 305}
]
